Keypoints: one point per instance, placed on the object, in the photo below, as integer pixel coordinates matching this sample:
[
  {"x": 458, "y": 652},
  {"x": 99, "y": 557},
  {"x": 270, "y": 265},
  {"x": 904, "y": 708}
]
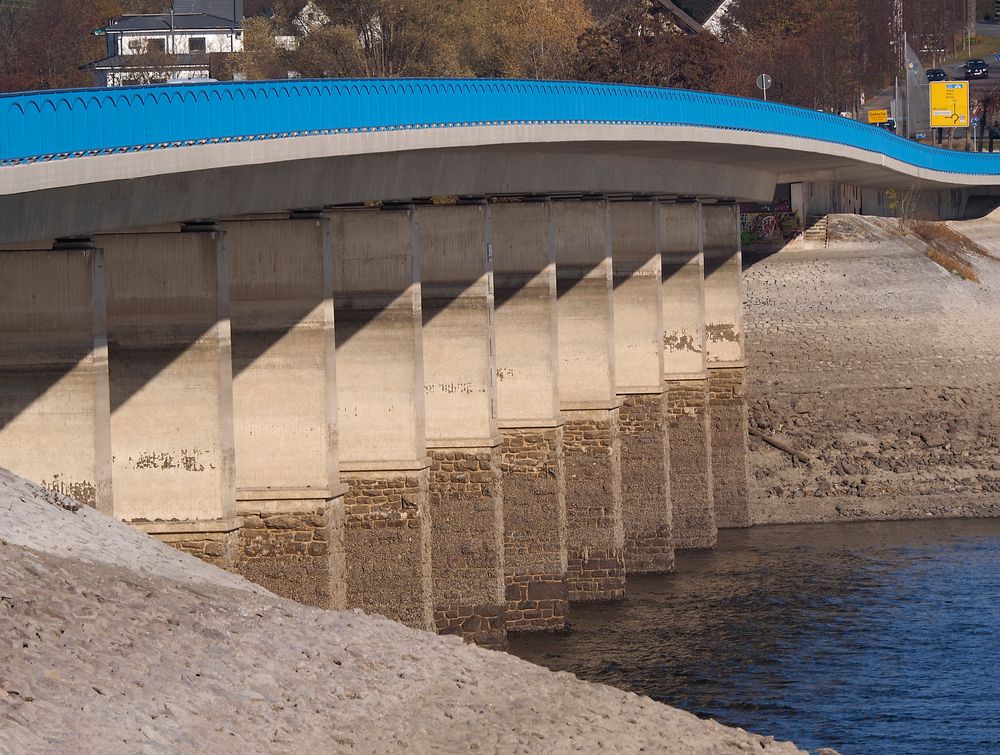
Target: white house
[{"x": 153, "y": 48}]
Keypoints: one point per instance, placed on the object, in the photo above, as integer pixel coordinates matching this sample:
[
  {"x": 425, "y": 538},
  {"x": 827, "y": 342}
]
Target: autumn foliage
[{"x": 822, "y": 54}]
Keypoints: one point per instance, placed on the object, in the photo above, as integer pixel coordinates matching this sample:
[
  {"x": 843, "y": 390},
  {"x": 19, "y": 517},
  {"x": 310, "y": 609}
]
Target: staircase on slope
[{"x": 817, "y": 232}]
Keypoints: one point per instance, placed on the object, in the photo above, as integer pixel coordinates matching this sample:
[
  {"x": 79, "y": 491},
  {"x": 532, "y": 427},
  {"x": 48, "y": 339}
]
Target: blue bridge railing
[{"x": 65, "y": 124}]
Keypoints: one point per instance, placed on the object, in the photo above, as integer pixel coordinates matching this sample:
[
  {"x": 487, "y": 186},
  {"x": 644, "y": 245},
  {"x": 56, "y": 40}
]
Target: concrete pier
[
  {"x": 589, "y": 401},
  {"x": 381, "y": 420},
  {"x": 55, "y": 425},
  {"x": 726, "y": 364},
  {"x": 685, "y": 375},
  {"x": 170, "y": 369},
  {"x": 288, "y": 489},
  {"x": 531, "y": 426},
  {"x": 462, "y": 440},
  {"x": 638, "y": 319}
]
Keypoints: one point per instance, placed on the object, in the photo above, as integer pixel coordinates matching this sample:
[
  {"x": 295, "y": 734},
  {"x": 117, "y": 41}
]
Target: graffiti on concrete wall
[{"x": 763, "y": 228}]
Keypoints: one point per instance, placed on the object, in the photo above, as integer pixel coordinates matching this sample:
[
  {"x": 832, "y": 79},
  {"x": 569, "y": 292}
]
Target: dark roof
[
  {"x": 161, "y": 22},
  {"x": 699, "y": 10},
  {"x": 182, "y": 60}
]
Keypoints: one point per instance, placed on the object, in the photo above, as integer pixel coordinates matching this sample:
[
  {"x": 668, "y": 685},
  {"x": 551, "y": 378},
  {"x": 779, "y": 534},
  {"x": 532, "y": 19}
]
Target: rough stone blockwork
[
  {"x": 595, "y": 537},
  {"x": 534, "y": 509},
  {"x": 217, "y": 548},
  {"x": 467, "y": 551},
  {"x": 690, "y": 472},
  {"x": 296, "y": 555},
  {"x": 649, "y": 547},
  {"x": 730, "y": 455},
  {"x": 387, "y": 544}
]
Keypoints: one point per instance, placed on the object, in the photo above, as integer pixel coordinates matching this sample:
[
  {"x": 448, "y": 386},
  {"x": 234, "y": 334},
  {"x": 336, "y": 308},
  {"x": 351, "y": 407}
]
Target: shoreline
[{"x": 844, "y": 509}]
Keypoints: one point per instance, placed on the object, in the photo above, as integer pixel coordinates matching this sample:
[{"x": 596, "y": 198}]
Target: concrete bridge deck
[{"x": 234, "y": 318}]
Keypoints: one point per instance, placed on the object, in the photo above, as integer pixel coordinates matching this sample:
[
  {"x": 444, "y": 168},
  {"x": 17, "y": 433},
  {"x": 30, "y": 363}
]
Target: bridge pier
[
  {"x": 532, "y": 456},
  {"x": 685, "y": 375},
  {"x": 55, "y": 420},
  {"x": 726, "y": 364},
  {"x": 288, "y": 489},
  {"x": 380, "y": 384},
  {"x": 170, "y": 370},
  {"x": 462, "y": 440},
  {"x": 638, "y": 320},
  {"x": 588, "y": 400}
]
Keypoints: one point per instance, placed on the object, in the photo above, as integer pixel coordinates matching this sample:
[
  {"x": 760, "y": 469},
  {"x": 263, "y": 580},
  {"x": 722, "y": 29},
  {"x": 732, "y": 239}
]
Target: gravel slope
[
  {"x": 113, "y": 643},
  {"x": 883, "y": 369}
]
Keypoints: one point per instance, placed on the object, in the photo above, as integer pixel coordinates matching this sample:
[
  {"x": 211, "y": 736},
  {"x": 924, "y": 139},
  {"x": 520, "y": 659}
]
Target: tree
[
  {"x": 260, "y": 58},
  {"x": 523, "y": 38},
  {"x": 638, "y": 45},
  {"x": 399, "y": 37},
  {"x": 56, "y": 39}
]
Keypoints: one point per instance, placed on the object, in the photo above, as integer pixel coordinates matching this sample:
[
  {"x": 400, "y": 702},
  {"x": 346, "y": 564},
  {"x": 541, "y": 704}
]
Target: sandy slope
[{"x": 111, "y": 642}]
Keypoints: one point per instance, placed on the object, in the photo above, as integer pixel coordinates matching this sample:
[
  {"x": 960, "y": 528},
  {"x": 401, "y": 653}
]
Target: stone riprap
[
  {"x": 112, "y": 642},
  {"x": 883, "y": 370}
]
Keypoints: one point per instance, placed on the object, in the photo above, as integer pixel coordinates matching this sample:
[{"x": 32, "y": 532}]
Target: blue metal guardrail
[{"x": 65, "y": 124}]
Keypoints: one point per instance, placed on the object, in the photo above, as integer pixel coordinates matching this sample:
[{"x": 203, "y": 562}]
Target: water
[{"x": 868, "y": 638}]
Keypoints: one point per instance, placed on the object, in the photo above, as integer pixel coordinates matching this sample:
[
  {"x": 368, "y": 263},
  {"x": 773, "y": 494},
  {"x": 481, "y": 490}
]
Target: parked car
[
  {"x": 977, "y": 69},
  {"x": 889, "y": 125},
  {"x": 936, "y": 74}
]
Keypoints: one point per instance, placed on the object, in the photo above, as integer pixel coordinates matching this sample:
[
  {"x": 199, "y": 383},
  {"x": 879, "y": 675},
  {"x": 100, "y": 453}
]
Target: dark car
[
  {"x": 977, "y": 69},
  {"x": 936, "y": 74},
  {"x": 889, "y": 125}
]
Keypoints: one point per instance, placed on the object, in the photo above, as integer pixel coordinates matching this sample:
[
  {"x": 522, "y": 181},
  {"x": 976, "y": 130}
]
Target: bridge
[{"x": 458, "y": 352}]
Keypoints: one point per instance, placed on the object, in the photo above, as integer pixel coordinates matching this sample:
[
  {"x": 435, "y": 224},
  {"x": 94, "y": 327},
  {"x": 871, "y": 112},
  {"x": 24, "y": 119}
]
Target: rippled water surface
[{"x": 869, "y": 638}]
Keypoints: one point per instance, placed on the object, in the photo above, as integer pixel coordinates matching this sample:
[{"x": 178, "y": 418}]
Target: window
[
  {"x": 156, "y": 45},
  {"x": 196, "y": 44}
]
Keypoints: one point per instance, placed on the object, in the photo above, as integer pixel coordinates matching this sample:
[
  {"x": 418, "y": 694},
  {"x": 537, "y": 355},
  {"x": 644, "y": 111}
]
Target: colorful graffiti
[{"x": 769, "y": 227}]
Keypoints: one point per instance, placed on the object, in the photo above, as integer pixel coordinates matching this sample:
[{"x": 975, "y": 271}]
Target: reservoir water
[{"x": 868, "y": 638}]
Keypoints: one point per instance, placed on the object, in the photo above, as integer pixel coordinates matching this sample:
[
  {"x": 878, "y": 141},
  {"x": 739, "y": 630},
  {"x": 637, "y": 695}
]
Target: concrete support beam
[
  {"x": 726, "y": 365},
  {"x": 171, "y": 386},
  {"x": 381, "y": 420},
  {"x": 288, "y": 488},
  {"x": 685, "y": 375},
  {"x": 462, "y": 439},
  {"x": 589, "y": 401},
  {"x": 638, "y": 319},
  {"x": 55, "y": 426},
  {"x": 532, "y": 457}
]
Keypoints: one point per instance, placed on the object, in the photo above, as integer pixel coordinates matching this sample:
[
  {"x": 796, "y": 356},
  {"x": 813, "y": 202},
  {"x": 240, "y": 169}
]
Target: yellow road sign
[
  {"x": 949, "y": 104},
  {"x": 878, "y": 116}
]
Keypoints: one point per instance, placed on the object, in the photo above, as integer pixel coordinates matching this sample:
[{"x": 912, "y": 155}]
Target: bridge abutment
[
  {"x": 638, "y": 320},
  {"x": 288, "y": 489},
  {"x": 686, "y": 376},
  {"x": 170, "y": 370},
  {"x": 589, "y": 402},
  {"x": 459, "y": 382},
  {"x": 726, "y": 364},
  {"x": 380, "y": 384},
  {"x": 55, "y": 424},
  {"x": 531, "y": 426}
]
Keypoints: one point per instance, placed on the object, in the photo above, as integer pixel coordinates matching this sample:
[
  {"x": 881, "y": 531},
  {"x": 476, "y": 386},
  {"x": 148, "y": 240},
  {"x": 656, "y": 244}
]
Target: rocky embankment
[
  {"x": 874, "y": 380},
  {"x": 113, "y": 643}
]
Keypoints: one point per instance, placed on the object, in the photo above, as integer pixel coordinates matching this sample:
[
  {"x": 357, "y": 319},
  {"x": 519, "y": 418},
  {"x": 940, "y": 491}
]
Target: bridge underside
[
  {"x": 464, "y": 416},
  {"x": 136, "y": 189}
]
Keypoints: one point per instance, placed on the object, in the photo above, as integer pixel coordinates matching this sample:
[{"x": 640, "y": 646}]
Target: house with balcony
[{"x": 187, "y": 42}]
